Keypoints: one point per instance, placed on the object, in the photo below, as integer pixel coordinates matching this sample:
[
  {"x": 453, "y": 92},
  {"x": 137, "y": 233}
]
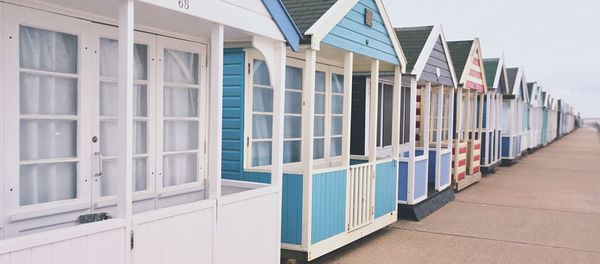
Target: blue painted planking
[
  {"x": 291, "y": 209},
  {"x": 352, "y": 34},
  {"x": 445, "y": 167},
  {"x": 420, "y": 179},
  {"x": 260, "y": 177},
  {"x": 506, "y": 147},
  {"x": 385, "y": 188},
  {"x": 484, "y": 154},
  {"x": 328, "y": 205},
  {"x": 402, "y": 180},
  {"x": 431, "y": 171},
  {"x": 232, "y": 155}
]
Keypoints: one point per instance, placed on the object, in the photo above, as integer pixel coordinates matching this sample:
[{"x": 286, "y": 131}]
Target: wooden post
[
  {"x": 396, "y": 109},
  {"x": 308, "y": 117},
  {"x": 125, "y": 118},
  {"x": 480, "y": 116},
  {"x": 460, "y": 115},
  {"x": 348, "y": 65},
  {"x": 438, "y": 137},
  {"x": 374, "y": 92},
  {"x": 216, "y": 111},
  {"x": 278, "y": 121},
  {"x": 426, "y": 112},
  {"x": 412, "y": 144},
  {"x": 451, "y": 124}
]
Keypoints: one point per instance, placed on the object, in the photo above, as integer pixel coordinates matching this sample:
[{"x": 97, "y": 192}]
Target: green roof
[
  {"x": 512, "y": 78},
  {"x": 491, "y": 67},
  {"x": 412, "y": 40},
  {"x": 305, "y": 13},
  {"x": 459, "y": 52}
]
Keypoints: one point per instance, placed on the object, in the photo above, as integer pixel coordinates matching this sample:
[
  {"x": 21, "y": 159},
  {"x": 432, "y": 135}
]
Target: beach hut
[
  {"x": 535, "y": 115},
  {"x": 545, "y": 118},
  {"x": 512, "y": 116},
  {"x": 114, "y": 149},
  {"x": 329, "y": 197},
  {"x": 552, "y": 119},
  {"x": 468, "y": 111},
  {"x": 497, "y": 82},
  {"x": 426, "y": 156}
]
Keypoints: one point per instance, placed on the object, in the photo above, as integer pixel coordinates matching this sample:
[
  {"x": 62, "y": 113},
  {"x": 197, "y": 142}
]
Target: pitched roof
[
  {"x": 284, "y": 22},
  {"x": 306, "y": 12},
  {"x": 530, "y": 90},
  {"x": 412, "y": 40},
  {"x": 491, "y": 67},
  {"x": 512, "y": 76},
  {"x": 459, "y": 51}
]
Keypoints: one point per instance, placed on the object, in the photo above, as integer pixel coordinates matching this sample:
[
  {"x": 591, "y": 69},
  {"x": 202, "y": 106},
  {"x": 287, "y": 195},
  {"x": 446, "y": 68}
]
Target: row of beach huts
[{"x": 241, "y": 131}]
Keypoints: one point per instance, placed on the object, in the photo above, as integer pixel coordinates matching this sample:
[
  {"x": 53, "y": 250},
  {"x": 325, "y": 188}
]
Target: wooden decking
[{"x": 543, "y": 209}]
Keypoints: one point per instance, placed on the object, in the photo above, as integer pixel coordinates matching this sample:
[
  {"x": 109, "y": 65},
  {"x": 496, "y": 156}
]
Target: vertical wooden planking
[
  {"x": 42, "y": 254},
  {"x": 61, "y": 252},
  {"x": 21, "y": 257}
]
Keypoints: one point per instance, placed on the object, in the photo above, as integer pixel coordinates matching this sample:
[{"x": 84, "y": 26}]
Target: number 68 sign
[{"x": 184, "y": 4}]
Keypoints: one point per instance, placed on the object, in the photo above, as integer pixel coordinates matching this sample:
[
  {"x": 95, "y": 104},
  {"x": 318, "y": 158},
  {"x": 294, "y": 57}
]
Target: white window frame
[
  {"x": 252, "y": 55},
  {"x": 150, "y": 40},
  {"x": 14, "y": 17},
  {"x": 299, "y": 65},
  {"x": 202, "y": 119},
  {"x": 382, "y": 151},
  {"x": 329, "y": 113},
  {"x": 2, "y": 144}
]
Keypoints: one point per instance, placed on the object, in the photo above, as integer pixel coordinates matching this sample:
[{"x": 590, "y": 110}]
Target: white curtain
[
  {"x": 292, "y": 147},
  {"x": 180, "y": 109},
  {"x": 46, "y": 95},
  {"x": 109, "y": 54}
]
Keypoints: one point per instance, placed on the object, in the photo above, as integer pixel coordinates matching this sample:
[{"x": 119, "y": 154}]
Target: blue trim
[
  {"x": 328, "y": 205},
  {"x": 284, "y": 22},
  {"x": 232, "y": 156},
  {"x": 420, "y": 179},
  {"x": 445, "y": 167},
  {"x": 403, "y": 181},
  {"x": 385, "y": 188},
  {"x": 291, "y": 209}
]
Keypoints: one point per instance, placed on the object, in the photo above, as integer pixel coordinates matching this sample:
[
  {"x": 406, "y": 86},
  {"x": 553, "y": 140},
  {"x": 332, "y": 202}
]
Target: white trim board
[{"x": 426, "y": 51}]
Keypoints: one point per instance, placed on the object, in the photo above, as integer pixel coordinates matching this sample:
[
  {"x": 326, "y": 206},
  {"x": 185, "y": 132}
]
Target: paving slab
[{"x": 543, "y": 209}]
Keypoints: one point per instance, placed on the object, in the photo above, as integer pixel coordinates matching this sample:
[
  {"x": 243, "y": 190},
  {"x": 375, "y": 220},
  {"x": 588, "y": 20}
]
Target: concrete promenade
[{"x": 543, "y": 209}]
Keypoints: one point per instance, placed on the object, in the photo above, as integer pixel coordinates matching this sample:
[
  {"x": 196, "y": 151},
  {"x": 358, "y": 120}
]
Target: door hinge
[
  {"x": 132, "y": 240},
  {"x": 247, "y": 141},
  {"x": 248, "y": 68},
  {"x": 204, "y": 146}
]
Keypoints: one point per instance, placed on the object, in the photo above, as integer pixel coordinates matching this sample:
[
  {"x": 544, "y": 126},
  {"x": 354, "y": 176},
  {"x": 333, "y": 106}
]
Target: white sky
[{"x": 557, "y": 42}]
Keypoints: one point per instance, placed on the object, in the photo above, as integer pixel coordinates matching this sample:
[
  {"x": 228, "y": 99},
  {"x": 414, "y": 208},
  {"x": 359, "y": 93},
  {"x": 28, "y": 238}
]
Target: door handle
[{"x": 99, "y": 173}]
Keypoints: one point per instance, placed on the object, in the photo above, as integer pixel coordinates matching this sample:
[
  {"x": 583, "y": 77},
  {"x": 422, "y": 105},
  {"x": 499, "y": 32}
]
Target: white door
[{"x": 47, "y": 167}]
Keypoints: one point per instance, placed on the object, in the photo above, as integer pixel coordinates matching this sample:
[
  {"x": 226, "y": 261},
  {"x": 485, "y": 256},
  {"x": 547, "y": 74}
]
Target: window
[
  {"x": 405, "y": 104},
  {"x": 337, "y": 114},
  {"x": 49, "y": 118},
  {"x": 107, "y": 117},
  {"x": 292, "y": 144},
  {"x": 262, "y": 114},
  {"x": 319, "y": 135},
  {"x": 384, "y": 114}
]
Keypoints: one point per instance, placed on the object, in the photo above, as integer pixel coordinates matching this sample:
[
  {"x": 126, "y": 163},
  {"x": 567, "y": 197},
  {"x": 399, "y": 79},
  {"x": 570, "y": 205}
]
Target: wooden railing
[{"x": 361, "y": 195}]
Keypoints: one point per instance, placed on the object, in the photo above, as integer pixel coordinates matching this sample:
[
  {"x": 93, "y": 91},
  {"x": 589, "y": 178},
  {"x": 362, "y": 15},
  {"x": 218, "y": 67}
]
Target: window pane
[
  {"x": 337, "y": 104},
  {"x": 337, "y": 123},
  {"x": 293, "y": 78},
  {"x": 337, "y": 83},
  {"x": 320, "y": 81},
  {"x": 318, "y": 148},
  {"x": 180, "y": 67},
  {"x": 336, "y": 146},
  {"x": 108, "y": 99},
  {"x": 47, "y": 50},
  {"x": 109, "y": 140},
  {"x": 291, "y": 151},
  {"x": 179, "y": 169},
  {"x": 109, "y": 55},
  {"x": 180, "y": 102},
  {"x": 292, "y": 127},
  {"x": 262, "y": 100},
  {"x": 261, "y": 153},
  {"x": 140, "y": 174},
  {"x": 388, "y": 105},
  {"x": 140, "y": 100},
  {"x": 180, "y": 135},
  {"x": 108, "y": 181},
  {"x": 47, "y": 139},
  {"x": 293, "y": 103},
  {"x": 319, "y": 126},
  {"x": 261, "y": 73},
  {"x": 262, "y": 126},
  {"x": 46, "y": 95},
  {"x": 140, "y": 136},
  {"x": 41, "y": 183},
  {"x": 319, "y": 104}
]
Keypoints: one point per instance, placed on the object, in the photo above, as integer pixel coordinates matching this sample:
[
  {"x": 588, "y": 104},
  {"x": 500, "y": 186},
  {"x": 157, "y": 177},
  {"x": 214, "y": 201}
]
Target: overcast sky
[{"x": 557, "y": 42}]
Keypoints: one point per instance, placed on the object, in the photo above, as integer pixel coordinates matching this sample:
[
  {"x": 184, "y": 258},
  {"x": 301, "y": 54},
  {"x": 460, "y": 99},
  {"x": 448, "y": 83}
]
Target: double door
[{"x": 60, "y": 101}]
